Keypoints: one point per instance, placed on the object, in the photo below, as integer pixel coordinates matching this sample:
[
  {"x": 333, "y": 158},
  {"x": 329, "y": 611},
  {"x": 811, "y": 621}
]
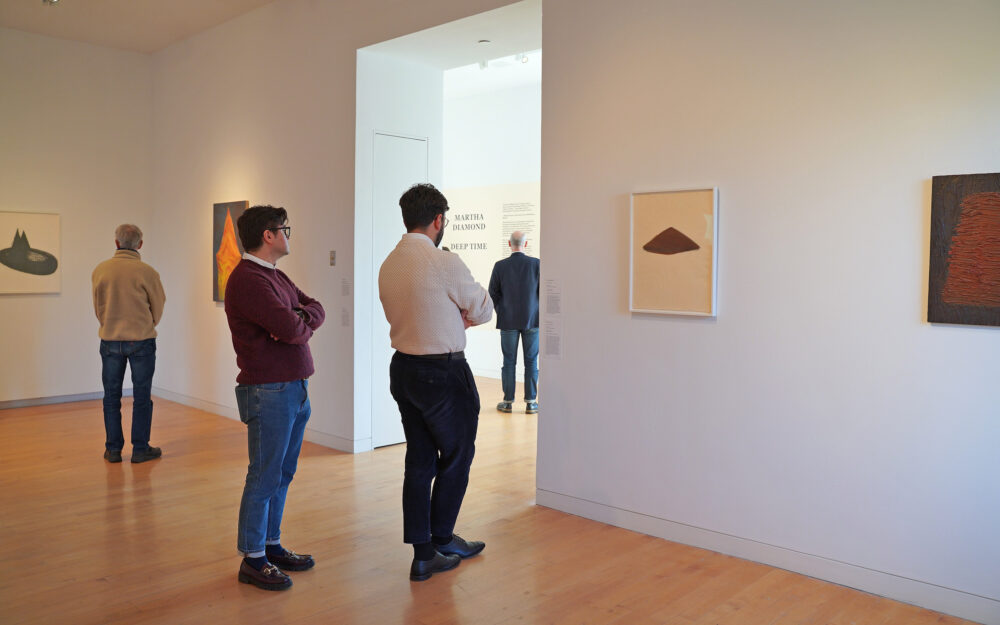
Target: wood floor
[{"x": 86, "y": 542}]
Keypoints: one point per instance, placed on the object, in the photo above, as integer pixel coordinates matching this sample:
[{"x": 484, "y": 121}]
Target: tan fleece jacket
[{"x": 128, "y": 297}]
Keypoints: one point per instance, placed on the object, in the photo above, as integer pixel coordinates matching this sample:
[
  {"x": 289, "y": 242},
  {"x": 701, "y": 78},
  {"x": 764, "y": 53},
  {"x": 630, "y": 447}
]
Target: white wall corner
[
  {"x": 337, "y": 442},
  {"x": 313, "y": 436}
]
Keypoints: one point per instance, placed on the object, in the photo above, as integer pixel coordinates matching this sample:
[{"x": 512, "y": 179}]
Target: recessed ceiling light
[
  {"x": 53, "y": 2},
  {"x": 485, "y": 41}
]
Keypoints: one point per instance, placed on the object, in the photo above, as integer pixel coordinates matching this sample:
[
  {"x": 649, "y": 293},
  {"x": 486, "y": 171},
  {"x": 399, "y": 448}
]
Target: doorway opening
[{"x": 458, "y": 105}]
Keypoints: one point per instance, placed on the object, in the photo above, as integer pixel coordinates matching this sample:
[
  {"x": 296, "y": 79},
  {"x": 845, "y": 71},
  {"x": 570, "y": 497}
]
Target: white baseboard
[
  {"x": 313, "y": 436},
  {"x": 230, "y": 412},
  {"x": 56, "y": 399},
  {"x": 931, "y": 596}
]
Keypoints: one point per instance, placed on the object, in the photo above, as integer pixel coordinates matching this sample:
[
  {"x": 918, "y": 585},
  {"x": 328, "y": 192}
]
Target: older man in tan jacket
[{"x": 128, "y": 300}]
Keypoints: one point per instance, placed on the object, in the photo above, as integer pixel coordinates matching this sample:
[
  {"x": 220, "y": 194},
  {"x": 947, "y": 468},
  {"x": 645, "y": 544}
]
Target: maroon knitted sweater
[{"x": 268, "y": 335}]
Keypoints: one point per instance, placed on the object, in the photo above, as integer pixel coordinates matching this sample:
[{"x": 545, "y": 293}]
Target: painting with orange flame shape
[
  {"x": 964, "y": 285},
  {"x": 227, "y": 250}
]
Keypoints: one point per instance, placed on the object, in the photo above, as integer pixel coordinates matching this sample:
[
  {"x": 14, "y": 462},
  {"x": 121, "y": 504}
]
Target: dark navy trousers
[{"x": 439, "y": 406}]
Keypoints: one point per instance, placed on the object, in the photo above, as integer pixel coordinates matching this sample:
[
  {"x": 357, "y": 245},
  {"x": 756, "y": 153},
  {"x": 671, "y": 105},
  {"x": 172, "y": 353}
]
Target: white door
[{"x": 399, "y": 163}]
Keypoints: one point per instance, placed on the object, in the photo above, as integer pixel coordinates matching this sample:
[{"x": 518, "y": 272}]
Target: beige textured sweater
[
  {"x": 424, "y": 292},
  {"x": 128, "y": 297}
]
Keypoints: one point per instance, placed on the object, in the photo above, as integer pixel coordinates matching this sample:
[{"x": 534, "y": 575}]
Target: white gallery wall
[
  {"x": 262, "y": 108},
  {"x": 76, "y": 140},
  {"x": 492, "y": 137},
  {"x": 819, "y": 423}
]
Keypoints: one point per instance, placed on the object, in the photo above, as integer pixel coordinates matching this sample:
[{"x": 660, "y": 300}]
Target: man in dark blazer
[{"x": 514, "y": 289}]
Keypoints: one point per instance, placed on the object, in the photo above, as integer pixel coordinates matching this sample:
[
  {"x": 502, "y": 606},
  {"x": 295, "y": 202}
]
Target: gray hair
[
  {"x": 128, "y": 236},
  {"x": 518, "y": 239}
]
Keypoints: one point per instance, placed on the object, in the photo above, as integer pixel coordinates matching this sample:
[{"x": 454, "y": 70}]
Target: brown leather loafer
[
  {"x": 423, "y": 569},
  {"x": 292, "y": 561},
  {"x": 268, "y": 578}
]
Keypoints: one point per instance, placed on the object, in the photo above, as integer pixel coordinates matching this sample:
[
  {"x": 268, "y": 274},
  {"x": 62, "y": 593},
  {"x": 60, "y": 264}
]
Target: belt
[{"x": 448, "y": 356}]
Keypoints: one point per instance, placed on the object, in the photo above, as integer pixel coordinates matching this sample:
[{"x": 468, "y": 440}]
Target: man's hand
[
  {"x": 465, "y": 319},
  {"x": 274, "y": 337}
]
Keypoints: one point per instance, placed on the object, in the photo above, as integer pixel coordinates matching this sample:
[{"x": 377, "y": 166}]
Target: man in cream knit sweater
[
  {"x": 128, "y": 301},
  {"x": 430, "y": 298}
]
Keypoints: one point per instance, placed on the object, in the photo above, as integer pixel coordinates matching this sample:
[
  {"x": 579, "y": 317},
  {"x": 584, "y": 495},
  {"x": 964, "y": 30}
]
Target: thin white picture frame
[{"x": 673, "y": 279}]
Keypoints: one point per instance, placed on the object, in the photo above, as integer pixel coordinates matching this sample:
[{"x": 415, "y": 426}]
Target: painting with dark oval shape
[
  {"x": 29, "y": 253},
  {"x": 964, "y": 283},
  {"x": 673, "y": 260},
  {"x": 227, "y": 249}
]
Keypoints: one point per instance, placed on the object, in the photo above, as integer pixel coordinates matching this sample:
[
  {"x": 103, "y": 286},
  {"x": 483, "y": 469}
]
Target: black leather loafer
[
  {"x": 268, "y": 578},
  {"x": 423, "y": 569},
  {"x": 150, "y": 453},
  {"x": 461, "y": 547},
  {"x": 113, "y": 456},
  {"x": 292, "y": 561}
]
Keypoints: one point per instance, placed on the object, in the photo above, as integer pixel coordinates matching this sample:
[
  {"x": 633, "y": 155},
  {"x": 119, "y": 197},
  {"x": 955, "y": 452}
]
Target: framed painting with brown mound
[
  {"x": 673, "y": 257},
  {"x": 964, "y": 283},
  {"x": 227, "y": 250}
]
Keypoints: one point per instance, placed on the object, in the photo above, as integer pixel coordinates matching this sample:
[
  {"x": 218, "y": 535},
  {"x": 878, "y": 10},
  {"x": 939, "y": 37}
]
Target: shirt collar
[
  {"x": 259, "y": 261},
  {"x": 417, "y": 236}
]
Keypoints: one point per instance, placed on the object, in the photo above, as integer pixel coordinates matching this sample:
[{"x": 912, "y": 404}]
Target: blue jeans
[
  {"x": 508, "y": 345},
  {"x": 439, "y": 406},
  {"x": 276, "y": 416},
  {"x": 141, "y": 358}
]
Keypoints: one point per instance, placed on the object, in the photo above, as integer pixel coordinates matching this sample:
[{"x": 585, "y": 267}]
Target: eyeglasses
[{"x": 286, "y": 229}]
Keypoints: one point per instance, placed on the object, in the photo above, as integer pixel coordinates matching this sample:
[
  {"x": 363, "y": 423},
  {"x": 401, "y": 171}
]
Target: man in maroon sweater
[{"x": 271, "y": 321}]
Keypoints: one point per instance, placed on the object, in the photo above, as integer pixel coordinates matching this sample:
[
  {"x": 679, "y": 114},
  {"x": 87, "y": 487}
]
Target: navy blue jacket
[{"x": 514, "y": 289}]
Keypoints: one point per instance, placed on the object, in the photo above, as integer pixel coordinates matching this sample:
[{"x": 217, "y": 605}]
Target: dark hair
[
  {"x": 421, "y": 203},
  {"x": 255, "y": 220}
]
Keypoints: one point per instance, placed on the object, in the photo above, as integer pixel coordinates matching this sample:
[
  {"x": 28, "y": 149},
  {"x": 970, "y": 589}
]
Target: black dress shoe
[
  {"x": 150, "y": 453},
  {"x": 291, "y": 561},
  {"x": 113, "y": 456},
  {"x": 423, "y": 569},
  {"x": 461, "y": 547},
  {"x": 268, "y": 578}
]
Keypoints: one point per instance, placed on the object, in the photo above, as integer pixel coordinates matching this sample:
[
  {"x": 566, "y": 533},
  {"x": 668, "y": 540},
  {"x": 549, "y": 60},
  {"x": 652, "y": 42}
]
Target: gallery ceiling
[
  {"x": 509, "y": 30},
  {"x": 137, "y": 25},
  {"x": 151, "y": 25}
]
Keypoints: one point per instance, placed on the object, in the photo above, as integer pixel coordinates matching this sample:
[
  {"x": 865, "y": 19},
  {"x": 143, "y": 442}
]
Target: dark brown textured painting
[{"x": 964, "y": 285}]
